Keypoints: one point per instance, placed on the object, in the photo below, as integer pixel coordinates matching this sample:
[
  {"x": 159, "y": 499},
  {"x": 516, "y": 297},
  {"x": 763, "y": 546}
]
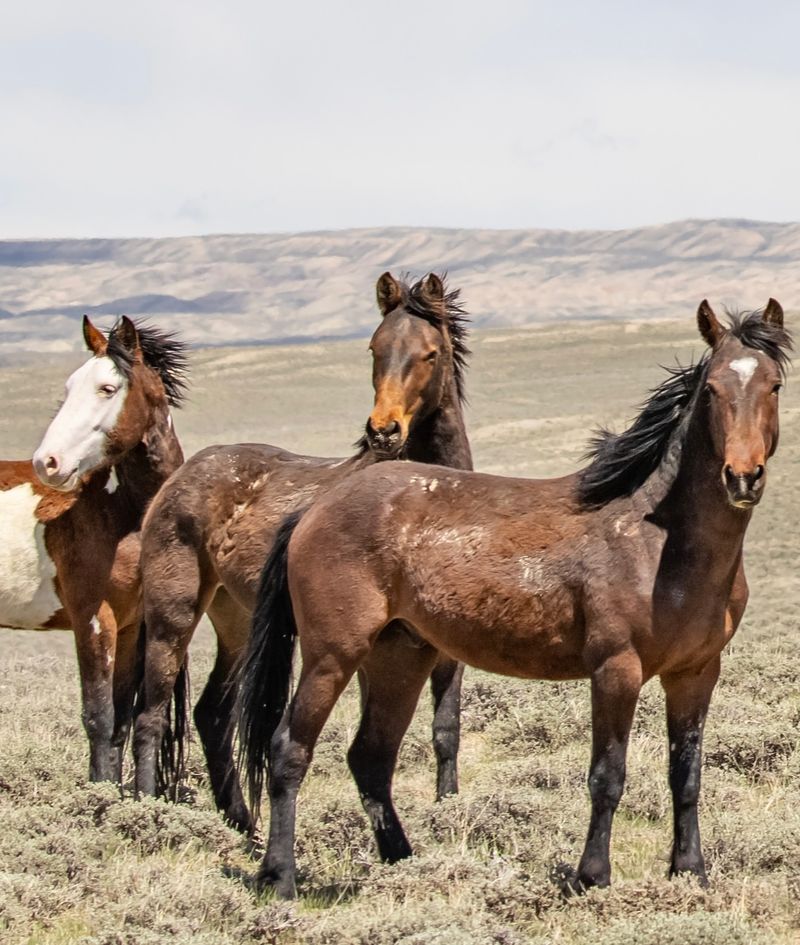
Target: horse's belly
[
  {"x": 527, "y": 628},
  {"x": 28, "y": 598}
]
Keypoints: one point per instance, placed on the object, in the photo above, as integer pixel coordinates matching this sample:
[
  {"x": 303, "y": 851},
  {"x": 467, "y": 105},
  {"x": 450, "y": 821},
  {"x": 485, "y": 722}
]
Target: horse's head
[
  {"x": 744, "y": 375},
  {"x": 416, "y": 364},
  {"x": 108, "y": 407}
]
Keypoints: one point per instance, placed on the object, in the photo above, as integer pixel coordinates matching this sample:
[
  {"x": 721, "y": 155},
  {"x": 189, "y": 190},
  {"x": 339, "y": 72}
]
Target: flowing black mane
[
  {"x": 622, "y": 462},
  {"x": 161, "y": 351},
  {"x": 450, "y": 315}
]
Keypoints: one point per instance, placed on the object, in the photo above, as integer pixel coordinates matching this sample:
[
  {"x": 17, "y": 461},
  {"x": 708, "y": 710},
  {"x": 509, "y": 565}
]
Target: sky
[{"x": 174, "y": 118}]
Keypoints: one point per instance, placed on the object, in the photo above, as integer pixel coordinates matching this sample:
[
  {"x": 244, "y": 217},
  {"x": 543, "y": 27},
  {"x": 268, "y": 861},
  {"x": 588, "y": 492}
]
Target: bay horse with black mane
[
  {"x": 69, "y": 556},
  {"x": 209, "y": 530},
  {"x": 629, "y": 569}
]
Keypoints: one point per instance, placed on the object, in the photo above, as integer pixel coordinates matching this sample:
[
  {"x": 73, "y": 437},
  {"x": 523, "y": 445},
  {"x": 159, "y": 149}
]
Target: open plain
[{"x": 79, "y": 864}]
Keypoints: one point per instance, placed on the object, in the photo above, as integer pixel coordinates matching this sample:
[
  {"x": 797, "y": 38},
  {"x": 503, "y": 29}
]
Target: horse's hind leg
[
  {"x": 214, "y": 710},
  {"x": 688, "y": 696},
  {"x": 446, "y": 690},
  {"x": 175, "y": 598},
  {"x": 393, "y": 676},
  {"x": 322, "y": 681}
]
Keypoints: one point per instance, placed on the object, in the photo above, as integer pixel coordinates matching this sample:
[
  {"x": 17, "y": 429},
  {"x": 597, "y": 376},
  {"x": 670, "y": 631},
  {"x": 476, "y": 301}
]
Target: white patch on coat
[
  {"x": 113, "y": 483},
  {"x": 78, "y": 434},
  {"x": 745, "y": 368},
  {"x": 95, "y": 625},
  {"x": 27, "y": 593}
]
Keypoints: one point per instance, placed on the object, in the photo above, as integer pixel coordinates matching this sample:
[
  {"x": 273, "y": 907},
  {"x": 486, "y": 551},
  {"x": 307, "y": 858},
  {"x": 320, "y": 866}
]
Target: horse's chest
[{"x": 27, "y": 591}]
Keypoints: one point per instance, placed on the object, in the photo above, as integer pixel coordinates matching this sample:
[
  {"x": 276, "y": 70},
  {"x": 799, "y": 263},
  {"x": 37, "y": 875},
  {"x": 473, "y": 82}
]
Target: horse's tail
[
  {"x": 171, "y": 758},
  {"x": 266, "y": 672}
]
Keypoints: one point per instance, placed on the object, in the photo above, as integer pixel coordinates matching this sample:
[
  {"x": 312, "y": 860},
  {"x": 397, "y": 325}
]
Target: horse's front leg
[
  {"x": 95, "y": 641},
  {"x": 446, "y": 689},
  {"x": 615, "y": 691},
  {"x": 688, "y": 696}
]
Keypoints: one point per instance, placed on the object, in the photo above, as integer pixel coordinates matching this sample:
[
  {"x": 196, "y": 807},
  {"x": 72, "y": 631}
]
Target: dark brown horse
[
  {"x": 629, "y": 569},
  {"x": 69, "y": 552},
  {"x": 209, "y": 530}
]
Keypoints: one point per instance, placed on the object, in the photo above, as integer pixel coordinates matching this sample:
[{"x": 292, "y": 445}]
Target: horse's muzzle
[
  {"x": 744, "y": 489},
  {"x": 386, "y": 443}
]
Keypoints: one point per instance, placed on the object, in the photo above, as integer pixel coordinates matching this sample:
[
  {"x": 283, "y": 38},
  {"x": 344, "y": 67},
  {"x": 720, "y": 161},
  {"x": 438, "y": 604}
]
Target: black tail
[
  {"x": 171, "y": 761},
  {"x": 266, "y": 673}
]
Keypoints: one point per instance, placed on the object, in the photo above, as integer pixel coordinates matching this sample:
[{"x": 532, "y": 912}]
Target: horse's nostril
[
  {"x": 51, "y": 465},
  {"x": 758, "y": 473},
  {"x": 392, "y": 428},
  {"x": 729, "y": 473}
]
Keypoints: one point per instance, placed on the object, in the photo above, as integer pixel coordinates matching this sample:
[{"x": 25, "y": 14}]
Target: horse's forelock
[{"x": 161, "y": 351}]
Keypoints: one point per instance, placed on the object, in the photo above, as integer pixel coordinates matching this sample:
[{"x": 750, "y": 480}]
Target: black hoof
[
  {"x": 572, "y": 883},
  {"x": 281, "y": 885}
]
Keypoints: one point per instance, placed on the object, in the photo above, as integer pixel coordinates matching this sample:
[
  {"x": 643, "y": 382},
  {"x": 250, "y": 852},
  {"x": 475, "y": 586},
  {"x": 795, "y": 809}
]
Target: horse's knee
[
  {"x": 288, "y": 762},
  {"x": 446, "y": 739},
  {"x": 606, "y": 783}
]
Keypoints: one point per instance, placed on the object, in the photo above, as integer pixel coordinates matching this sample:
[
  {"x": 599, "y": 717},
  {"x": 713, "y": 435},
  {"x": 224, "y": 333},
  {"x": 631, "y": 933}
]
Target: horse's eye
[
  {"x": 107, "y": 390},
  {"x": 776, "y": 388},
  {"x": 431, "y": 356}
]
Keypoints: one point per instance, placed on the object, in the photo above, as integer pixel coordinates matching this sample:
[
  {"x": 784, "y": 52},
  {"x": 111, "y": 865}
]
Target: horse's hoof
[
  {"x": 695, "y": 872},
  {"x": 280, "y": 885},
  {"x": 573, "y": 883}
]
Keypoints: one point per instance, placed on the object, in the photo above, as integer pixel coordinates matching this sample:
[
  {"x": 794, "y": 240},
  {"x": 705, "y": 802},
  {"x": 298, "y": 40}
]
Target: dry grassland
[{"x": 80, "y": 865}]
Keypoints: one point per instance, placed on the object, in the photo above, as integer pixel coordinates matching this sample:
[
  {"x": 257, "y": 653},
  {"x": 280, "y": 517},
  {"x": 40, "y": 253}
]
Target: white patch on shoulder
[
  {"x": 95, "y": 625},
  {"x": 27, "y": 593},
  {"x": 113, "y": 483},
  {"x": 745, "y": 368}
]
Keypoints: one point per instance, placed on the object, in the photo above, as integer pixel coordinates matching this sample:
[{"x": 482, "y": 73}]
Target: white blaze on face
[
  {"x": 745, "y": 368},
  {"x": 75, "y": 441},
  {"x": 27, "y": 593}
]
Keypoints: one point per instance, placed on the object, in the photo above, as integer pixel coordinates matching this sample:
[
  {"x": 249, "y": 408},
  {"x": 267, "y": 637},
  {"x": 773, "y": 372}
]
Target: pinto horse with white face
[
  {"x": 69, "y": 556},
  {"x": 629, "y": 569}
]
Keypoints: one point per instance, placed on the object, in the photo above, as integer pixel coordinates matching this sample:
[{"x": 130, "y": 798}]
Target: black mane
[
  {"x": 161, "y": 351},
  {"x": 451, "y": 316},
  {"x": 622, "y": 462}
]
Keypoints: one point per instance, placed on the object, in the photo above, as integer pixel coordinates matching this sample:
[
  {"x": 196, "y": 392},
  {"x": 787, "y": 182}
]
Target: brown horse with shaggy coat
[
  {"x": 209, "y": 530},
  {"x": 629, "y": 569}
]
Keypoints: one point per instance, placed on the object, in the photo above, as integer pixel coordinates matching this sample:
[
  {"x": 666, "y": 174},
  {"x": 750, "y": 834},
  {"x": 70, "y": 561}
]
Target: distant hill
[{"x": 258, "y": 288}]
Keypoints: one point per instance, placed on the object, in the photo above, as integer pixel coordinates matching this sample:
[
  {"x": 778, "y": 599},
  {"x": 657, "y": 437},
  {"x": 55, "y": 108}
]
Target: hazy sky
[{"x": 192, "y": 117}]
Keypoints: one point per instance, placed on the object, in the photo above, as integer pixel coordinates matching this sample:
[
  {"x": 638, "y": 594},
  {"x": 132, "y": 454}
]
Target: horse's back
[{"x": 226, "y": 502}]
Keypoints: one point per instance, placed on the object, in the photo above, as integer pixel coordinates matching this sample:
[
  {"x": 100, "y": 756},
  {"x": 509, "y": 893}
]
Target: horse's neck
[
  {"x": 694, "y": 508},
  {"x": 144, "y": 469},
  {"x": 441, "y": 438}
]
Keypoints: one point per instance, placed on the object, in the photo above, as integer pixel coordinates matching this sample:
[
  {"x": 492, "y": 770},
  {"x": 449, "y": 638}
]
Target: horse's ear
[
  {"x": 125, "y": 332},
  {"x": 707, "y": 322},
  {"x": 434, "y": 287},
  {"x": 773, "y": 313},
  {"x": 94, "y": 338},
  {"x": 388, "y": 292}
]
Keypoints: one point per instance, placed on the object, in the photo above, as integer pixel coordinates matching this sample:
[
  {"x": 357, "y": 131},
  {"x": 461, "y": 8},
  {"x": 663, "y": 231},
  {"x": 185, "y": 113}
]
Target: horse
[
  {"x": 628, "y": 569},
  {"x": 69, "y": 558},
  {"x": 209, "y": 530}
]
